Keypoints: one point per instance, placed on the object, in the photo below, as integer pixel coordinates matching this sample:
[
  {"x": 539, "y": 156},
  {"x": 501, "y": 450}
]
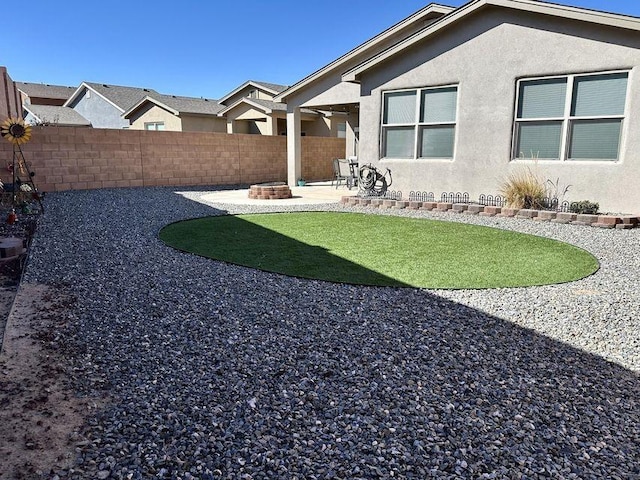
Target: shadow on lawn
[{"x": 244, "y": 243}]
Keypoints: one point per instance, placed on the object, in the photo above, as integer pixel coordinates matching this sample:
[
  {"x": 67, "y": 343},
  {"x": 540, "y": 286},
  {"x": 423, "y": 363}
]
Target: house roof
[
  {"x": 43, "y": 90},
  {"x": 64, "y": 116},
  {"x": 178, "y": 105},
  {"x": 266, "y": 106},
  {"x": 432, "y": 10},
  {"x": 272, "y": 88},
  {"x": 119, "y": 96},
  {"x": 533, "y": 6}
]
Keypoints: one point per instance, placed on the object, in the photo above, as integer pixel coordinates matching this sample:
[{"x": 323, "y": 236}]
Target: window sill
[
  {"x": 549, "y": 161},
  {"x": 416, "y": 160}
]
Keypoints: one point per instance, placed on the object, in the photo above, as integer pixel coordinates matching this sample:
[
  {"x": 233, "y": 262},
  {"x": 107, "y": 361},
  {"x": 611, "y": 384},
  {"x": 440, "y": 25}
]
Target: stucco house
[
  {"x": 500, "y": 85},
  {"x": 103, "y": 104},
  {"x": 175, "y": 113},
  {"x": 326, "y": 91},
  {"x": 250, "y": 108}
]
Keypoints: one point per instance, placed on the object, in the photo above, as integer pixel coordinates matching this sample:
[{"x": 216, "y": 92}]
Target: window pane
[
  {"x": 400, "y": 107},
  {"x": 542, "y": 98},
  {"x": 439, "y": 105},
  {"x": 599, "y": 95},
  {"x": 539, "y": 140},
  {"x": 437, "y": 142},
  {"x": 595, "y": 139},
  {"x": 159, "y": 126},
  {"x": 398, "y": 142}
]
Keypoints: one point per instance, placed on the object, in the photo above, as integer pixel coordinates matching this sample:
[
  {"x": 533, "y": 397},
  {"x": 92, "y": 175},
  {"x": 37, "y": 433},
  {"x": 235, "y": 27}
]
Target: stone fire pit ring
[{"x": 270, "y": 191}]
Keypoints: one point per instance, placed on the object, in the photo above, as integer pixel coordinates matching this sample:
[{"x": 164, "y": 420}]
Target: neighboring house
[
  {"x": 497, "y": 86},
  {"x": 53, "y": 115},
  {"x": 324, "y": 89},
  {"x": 250, "y": 108},
  {"x": 44, "y": 94},
  {"x": 103, "y": 105},
  {"x": 170, "y": 112}
]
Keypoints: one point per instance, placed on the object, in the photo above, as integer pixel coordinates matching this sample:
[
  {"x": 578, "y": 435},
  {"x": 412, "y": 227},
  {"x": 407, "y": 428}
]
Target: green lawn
[{"x": 382, "y": 250}]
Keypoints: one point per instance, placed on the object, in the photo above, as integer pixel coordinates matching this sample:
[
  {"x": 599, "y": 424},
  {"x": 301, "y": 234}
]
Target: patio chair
[{"x": 342, "y": 172}]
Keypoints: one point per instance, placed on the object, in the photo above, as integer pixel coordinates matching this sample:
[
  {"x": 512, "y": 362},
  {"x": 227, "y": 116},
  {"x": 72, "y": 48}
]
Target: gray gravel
[{"x": 219, "y": 371}]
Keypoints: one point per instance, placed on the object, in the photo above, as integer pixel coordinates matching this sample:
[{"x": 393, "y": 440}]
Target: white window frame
[
  {"x": 417, "y": 124},
  {"x": 155, "y": 126},
  {"x": 567, "y": 119}
]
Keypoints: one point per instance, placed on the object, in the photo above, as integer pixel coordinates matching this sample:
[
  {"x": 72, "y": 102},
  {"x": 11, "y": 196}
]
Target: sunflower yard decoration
[
  {"x": 23, "y": 190},
  {"x": 16, "y": 131}
]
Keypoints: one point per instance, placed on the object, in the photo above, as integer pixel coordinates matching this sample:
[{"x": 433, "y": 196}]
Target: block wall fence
[
  {"x": 10, "y": 104},
  {"x": 75, "y": 158}
]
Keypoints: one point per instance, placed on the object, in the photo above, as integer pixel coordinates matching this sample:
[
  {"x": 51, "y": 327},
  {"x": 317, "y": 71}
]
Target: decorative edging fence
[{"x": 621, "y": 222}]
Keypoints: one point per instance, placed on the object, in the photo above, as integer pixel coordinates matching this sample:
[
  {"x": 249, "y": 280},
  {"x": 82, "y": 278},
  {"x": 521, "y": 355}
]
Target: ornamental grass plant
[{"x": 524, "y": 189}]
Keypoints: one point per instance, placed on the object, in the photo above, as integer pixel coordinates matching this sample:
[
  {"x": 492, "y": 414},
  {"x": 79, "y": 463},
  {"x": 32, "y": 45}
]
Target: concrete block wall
[
  {"x": 72, "y": 158},
  {"x": 318, "y": 154},
  {"x": 10, "y": 105}
]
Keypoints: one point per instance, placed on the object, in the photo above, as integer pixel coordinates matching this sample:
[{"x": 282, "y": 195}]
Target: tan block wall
[
  {"x": 318, "y": 154},
  {"x": 69, "y": 158},
  {"x": 10, "y": 103}
]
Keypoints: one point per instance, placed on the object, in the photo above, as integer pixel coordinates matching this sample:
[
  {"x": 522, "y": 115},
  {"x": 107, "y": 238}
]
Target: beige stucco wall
[
  {"x": 485, "y": 56},
  {"x": 203, "y": 123},
  {"x": 173, "y": 123},
  {"x": 243, "y": 93},
  {"x": 153, "y": 113}
]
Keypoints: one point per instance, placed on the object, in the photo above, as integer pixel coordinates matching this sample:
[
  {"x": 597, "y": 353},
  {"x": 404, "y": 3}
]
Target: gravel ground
[{"x": 220, "y": 371}]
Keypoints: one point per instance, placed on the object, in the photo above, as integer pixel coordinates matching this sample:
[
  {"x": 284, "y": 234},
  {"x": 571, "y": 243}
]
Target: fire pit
[{"x": 270, "y": 191}]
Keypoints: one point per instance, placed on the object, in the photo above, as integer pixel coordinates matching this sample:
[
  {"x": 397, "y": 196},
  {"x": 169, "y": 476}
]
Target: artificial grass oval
[{"x": 382, "y": 250}]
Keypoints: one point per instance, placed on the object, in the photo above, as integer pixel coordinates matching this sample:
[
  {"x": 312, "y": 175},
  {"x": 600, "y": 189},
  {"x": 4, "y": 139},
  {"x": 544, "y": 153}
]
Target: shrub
[
  {"x": 584, "y": 206},
  {"x": 524, "y": 189}
]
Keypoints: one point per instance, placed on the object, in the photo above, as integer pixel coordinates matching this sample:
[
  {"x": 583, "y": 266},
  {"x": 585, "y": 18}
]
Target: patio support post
[
  {"x": 352, "y": 134},
  {"x": 272, "y": 125},
  {"x": 294, "y": 145}
]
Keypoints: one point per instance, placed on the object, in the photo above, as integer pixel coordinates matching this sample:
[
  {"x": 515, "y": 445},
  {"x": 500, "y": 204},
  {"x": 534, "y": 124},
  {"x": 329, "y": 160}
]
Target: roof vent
[
  {"x": 105, "y": 85},
  {"x": 145, "y": 89}
]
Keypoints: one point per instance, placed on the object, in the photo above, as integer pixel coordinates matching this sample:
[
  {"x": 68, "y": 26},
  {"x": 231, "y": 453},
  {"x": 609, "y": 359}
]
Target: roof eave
[
  {"x": 244, "y": 85},
  {"x": 89, "y": 87},
  {"x": 248, "y": 101},
  {"x": 533, "y": 6},
  {"x": 431, "y": 8},
  {"x": 149, "y": 99}
]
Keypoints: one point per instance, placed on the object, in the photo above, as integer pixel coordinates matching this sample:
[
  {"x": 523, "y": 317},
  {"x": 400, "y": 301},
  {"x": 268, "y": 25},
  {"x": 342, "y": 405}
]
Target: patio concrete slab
[{"x": 310, "y": 194}]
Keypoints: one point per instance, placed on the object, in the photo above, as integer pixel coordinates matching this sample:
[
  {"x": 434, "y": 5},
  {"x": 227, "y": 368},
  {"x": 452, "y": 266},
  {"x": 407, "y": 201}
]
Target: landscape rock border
[{"x": 622, "y": 222}]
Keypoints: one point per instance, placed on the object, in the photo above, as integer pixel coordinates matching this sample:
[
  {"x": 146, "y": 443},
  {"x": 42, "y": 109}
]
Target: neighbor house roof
[
  {"x": 63, "y": 116},
  {"x": 533, "y": 6},
  {"x": 272, "y": 88},
  {"x": 266, "y": 106},
  {"x": 429, "y": 12},
  {"x": 43, "y": 90},
  {"x": 178, "y": 105},
  {"x": 119, "y": 96}
]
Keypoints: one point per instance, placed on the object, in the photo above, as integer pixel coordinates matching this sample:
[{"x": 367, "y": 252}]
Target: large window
[
  {"x": 573, "y": 117},
  {"x": 419, "y": 123}
]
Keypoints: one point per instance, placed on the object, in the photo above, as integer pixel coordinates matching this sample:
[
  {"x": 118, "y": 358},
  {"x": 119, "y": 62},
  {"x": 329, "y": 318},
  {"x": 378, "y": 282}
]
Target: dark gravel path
[{"x": 218, "y": 371}]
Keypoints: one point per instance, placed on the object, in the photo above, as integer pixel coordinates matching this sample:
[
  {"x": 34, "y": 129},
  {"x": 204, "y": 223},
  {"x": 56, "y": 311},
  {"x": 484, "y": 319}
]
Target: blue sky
[{"x": 200, "y": 48}]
